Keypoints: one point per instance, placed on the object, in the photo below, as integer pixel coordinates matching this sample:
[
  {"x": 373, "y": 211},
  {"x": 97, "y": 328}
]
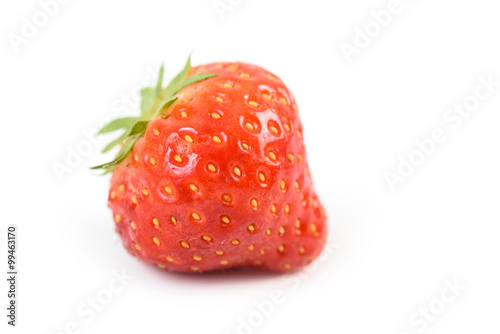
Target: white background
[{"x": 393, "y": 251}]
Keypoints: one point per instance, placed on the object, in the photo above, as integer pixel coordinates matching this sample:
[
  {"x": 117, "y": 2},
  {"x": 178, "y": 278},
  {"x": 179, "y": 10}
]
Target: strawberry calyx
[{"x": 154, "y": 100}]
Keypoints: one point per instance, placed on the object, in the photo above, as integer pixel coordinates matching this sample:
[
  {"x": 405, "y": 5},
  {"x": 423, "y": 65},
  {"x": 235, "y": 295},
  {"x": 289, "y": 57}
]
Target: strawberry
[{"x": 214, "y": 174}]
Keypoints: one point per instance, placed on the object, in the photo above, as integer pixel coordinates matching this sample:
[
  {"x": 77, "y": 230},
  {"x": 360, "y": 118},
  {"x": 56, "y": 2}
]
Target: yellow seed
[
  {"x": 273, "y": 208},
  {"x": 121, "y": 188},
  {"x": 290, "y": 157},
  {"x": 232, "y": 68},
  {"x": 145, "y": 192},
  {"x": 169, "y": 190},
  {"x": 169, "y": 259},
  {"x": 251, "y": 248},
  {"x": 156, "y": 240},
  {"x": 281, "y": 231},
  {"x": 273, "y": 129},
  {"x": 215, "y": 115},
  {"x": 271, "y": 77},
  {"x": 295, "y": 107},
  {"x": 173, "y": 219},
  {"x": 136, "y": 246},
  {"x": 245, "y": 146},
  {"x": 219, "y": 99},
  {"x": 237, "y": 171},
  {"x": 287, "y": 127},
  {"x": 136, "y": 157},
  {"x": 197, "y": 258},
  {"x": 161, "y": 266},
  {"x": 257, "y": 262},
  {"x": 313, "y": 228},
  {"x": 156, "y": 222},
  {"x": 299, "y": 134},
  {"x": 118, "y": 218},
  {"x": 227, "y": 85},
  {"x": 249, "y": 126},
  {"x": 188, "y": 138},
  {"x": 262, "y": 178},
  {"x": 224, "y": 262},
  {"x": 134, "y": 226},
  {"x": 184, "y": 114},
  {"x": 112, "y": 195},
  {"x": 253, "y": 104},
  {"x": 262, "y": 252},
  {"x": 193, "y": 187},
  {"x": 287, "y": 266},
  {"x": 177, "y": 158},
  {"x": 227, "y": 198},
  {"x": 185, "y": 244},
  {"x": 253, "y": 202},
  {"x": 281, "y": 248},
  {"x": 207, "y": 238},
  {"x": 216, "y": 139},
  {"x": 282, "y": 185},
  {"x": 266, "y": 97},
  {"x": 283, "y": 101},
  {"x": 251, "y": 228},
  {"x": 134, "y": 199},
  {"x": 272, "y": 156},
  {"x": 219, "y": 252},
  {"x": 287, "y": 209},
  {"x": 268, "y": 231},
  {"x": 296, "y": 185},
  {"x": 195, "y": 268},
  {"x": 235, "y": 242},
  {"x": 196, "y": 216},
  {"x": 156, "y": 132},
  {"x": 152, "y": 160},
  {"x": 225, "y": 219},
  {"x": 297, "y": 223},
  {"x": 211, "y": 168},
  {"x": 299, "y": 156},
  {"x": 245, "y": 75},
  {"x": 302, "y": 250}
]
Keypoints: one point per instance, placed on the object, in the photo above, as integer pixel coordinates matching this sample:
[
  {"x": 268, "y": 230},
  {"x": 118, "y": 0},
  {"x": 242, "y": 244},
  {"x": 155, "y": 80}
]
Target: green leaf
[
  {"x": 117, "y": 124},
  {"x": 125, "y": 150},
  {"x": 191, "y": 80},
  {"x": 169, "y": 99},
  {"x": 108, "y": 170},
  {"x": 178, "y": 78},
  {"x": 138, "y": 128},
  {"x": 115, "y": 142},
  {"x": 148, "y": 99},
  {"x": 165, "y": 104},
  {"x": 160, "y": 80}
]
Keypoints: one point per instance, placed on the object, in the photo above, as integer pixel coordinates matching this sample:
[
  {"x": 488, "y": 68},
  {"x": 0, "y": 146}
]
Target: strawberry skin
[{"x": 221, "y": 179}]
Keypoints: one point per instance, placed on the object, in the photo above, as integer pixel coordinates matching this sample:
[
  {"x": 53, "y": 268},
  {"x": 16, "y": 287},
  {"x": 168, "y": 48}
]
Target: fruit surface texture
[{"x": 220, "y": 178}]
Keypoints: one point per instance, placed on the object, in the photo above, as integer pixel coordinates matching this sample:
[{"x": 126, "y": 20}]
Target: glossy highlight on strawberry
[{"x": 218, "y": 177}]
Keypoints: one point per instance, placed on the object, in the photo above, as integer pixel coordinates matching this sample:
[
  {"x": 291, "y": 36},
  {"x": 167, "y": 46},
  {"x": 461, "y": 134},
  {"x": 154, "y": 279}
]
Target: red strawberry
[{"x": 219, "y": 178}]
